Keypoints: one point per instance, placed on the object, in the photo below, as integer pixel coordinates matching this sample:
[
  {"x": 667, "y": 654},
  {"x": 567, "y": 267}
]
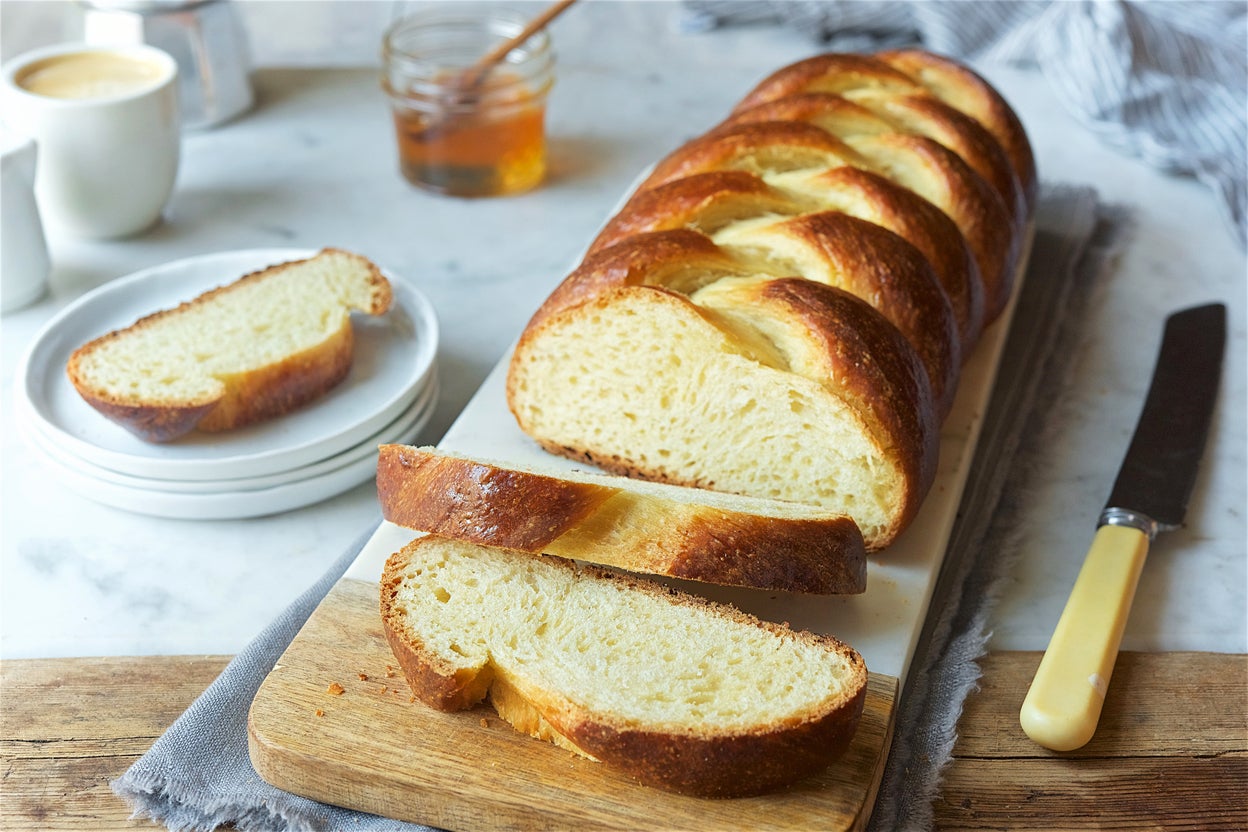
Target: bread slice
[
  {"x": 784, "y": 389},
  {"x": 673, "y": 690},
  {"x": 616, "y": 521},
  {"x": 257, "y": 348}
]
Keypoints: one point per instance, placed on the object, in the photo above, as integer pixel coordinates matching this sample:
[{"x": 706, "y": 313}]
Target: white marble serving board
[{"x": 883, "y": 623}]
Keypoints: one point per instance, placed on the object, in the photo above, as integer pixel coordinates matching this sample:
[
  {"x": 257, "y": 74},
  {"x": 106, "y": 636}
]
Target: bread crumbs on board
[{"x": 335, "y": 689}]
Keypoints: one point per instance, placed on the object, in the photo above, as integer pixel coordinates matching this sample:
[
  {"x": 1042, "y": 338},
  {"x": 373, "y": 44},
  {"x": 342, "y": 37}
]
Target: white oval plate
[
  {"x": 393, "y": 357},
  {"x": 417, "y": 411},
  {"x": 232, "y": 505}
]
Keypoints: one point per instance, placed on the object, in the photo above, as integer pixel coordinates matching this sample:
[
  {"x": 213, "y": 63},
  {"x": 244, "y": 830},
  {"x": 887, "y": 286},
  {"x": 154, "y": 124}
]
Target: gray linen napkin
[
  {"x": 198, "y": 776},
  {"x": 1166, "y": 82}
]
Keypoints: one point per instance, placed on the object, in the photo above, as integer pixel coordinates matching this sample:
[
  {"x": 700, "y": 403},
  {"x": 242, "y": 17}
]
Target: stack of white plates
[{"x": 314, "y": 453}]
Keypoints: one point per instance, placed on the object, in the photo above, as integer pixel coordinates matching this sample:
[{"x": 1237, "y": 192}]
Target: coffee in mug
[
  {"x": 90, "y": 75},
  {"x": 106, "y": 123}
]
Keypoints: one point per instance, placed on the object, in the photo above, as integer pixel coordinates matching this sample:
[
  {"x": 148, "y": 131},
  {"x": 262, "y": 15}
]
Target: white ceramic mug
[
  {"x": 24, "y": 264},
  {"x": 106, "y": 123}
]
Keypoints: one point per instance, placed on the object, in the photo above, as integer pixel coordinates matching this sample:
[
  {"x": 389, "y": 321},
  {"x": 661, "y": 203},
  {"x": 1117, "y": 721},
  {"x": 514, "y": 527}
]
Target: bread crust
[
  {"x": 832, "y": 73},
  {"x": 489, "y": 505},
  {"x": 918, "y": 163},
  {"x": 659, "y": 258},
  {"x": 877, "y": 370},
  {"x": 763, "y": 145},
  {"x": 970, "y": 202},
  {"x": 700, "y": 760},
  {"x": 739, "y": 765},
  {"x": 873, "y": 198},
  {"x": 466, "y": 500},
  {"x": 880, "y": 268},
  {"x": 686, "y": 202},
  {"x": 968, "y": 92},
  {"x": 433, "y": 680},
  {"x": 908, "y": 72},
  {"x": 881, "y": 113},
  {"x": 243, "y": 398}
]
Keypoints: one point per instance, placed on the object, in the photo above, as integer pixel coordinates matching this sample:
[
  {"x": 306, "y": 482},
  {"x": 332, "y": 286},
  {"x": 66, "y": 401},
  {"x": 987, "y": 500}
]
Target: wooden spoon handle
[{"x": 476, "y": 73}]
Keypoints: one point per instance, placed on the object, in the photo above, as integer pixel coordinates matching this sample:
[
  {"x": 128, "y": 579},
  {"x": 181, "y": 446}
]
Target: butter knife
[{"x": 1151, "y": 492}]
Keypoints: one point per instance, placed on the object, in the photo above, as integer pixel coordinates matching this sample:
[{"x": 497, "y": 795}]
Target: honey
[
  {"x": 489, "y": 151},
  {"x": 485, "y": 140}
]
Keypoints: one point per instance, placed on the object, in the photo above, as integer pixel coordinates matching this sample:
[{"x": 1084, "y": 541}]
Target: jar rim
[
  {"x": 421, "y": 54},
  {"x": 500, "y": 23}
]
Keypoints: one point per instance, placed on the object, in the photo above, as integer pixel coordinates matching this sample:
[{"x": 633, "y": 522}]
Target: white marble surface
[{"x": 314, "y": 165}]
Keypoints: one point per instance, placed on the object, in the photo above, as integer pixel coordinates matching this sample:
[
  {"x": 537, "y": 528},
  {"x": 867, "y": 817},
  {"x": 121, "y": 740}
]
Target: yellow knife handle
[{"x": 1064, "y": 703}]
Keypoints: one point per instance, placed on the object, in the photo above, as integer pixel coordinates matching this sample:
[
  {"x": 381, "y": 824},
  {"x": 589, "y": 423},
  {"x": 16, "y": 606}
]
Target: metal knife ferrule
[{"x": 1113, "y": 516}]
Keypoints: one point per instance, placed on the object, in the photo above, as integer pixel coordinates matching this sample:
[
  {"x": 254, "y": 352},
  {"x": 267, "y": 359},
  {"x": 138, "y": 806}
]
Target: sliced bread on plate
[{"x": 254, "y": 349}]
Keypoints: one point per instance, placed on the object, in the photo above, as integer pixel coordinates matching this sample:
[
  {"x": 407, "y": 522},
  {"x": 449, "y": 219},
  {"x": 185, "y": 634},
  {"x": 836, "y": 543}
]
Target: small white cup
[
  {"x": 24, "y": 263},
  {"x": 108, "y": 160}
]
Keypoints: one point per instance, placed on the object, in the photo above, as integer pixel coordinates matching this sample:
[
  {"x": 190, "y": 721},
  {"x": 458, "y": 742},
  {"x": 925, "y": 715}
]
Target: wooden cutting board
[{"x": 394, "y": 756}]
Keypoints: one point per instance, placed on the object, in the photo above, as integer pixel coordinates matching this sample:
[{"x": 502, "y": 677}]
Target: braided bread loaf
[{"x": 783, "y": 306}]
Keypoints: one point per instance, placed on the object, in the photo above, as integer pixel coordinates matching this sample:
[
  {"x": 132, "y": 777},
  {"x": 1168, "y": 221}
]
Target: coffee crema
[{"x": 90, "y": 74}]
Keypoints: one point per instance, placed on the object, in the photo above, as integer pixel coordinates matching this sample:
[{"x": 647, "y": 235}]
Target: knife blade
[{"x": 1150, "y": 494}]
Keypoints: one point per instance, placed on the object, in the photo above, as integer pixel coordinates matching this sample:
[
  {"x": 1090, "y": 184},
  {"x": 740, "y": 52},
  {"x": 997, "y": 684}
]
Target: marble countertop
[{"x": 314, "y": 164}]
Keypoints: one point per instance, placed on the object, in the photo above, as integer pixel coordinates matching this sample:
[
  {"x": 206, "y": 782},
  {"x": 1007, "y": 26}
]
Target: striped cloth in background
[{"x": 1164, "y": 81}]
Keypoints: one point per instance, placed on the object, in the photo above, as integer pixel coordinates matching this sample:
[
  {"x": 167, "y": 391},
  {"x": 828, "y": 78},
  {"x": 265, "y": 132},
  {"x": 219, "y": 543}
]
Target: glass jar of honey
[{"x": 460, "y": 132}]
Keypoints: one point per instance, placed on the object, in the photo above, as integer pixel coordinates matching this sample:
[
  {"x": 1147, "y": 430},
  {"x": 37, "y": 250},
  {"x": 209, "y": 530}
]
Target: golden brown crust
[
  {"x": 873, "y": 198},
  {"x": 968, "y": 92},
  {"x": 644, "y": 259},
  {"x": 827, "y": 111},
  {"x": 889, "y": 112},
  {"x": 688, "y": 202},
  {"x": 481, "y": 503},
  {"x": 771, "y": 145},
  {"x": 737, "y": 765},
  {"x": 491, "y": 505},
  {"x": 244, "y": 398},
  {"x": 967, "y": 198},
  {"x": 831, "y": 73},
  {"x": 432, "y": 680},
  {"x": 152, "y": 423},
  {"x": 970, "y": 140},
  {"x": 815, "y": 557},
  {"x": 908, "y": 72},
  {"x": 892, "y": 276},
  {"x": 701, "y": 760},
  {"x": 876, "y": 370},
  {"x": 914, "y": 162},
  {"x": 282, "y": 387}
]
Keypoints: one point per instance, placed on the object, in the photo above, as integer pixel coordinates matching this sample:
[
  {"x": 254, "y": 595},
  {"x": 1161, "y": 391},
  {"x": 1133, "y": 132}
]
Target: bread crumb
[
  {"x": 363, "y": 677},
  {"x": 385, "y": 689},
  {"x": 389, "y": 670},
  {"x": 335, "y": 689},
  {"x": 485, "y": 723},
  {"x": 411, "y": 698},
  {"x": 319, "y": 712}
]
